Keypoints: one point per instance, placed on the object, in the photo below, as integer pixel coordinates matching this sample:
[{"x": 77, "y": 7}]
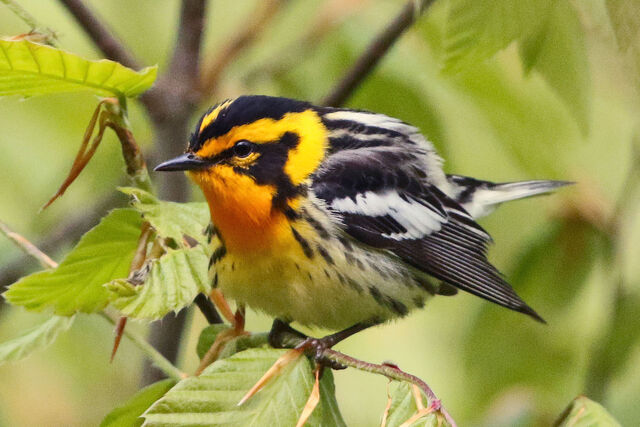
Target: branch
[
  {"x": 213, "y": 70},
  {"x": 375, "y": 52},
  {"x": 28, "y": 247},
  {"x": 100, "y": 34}
]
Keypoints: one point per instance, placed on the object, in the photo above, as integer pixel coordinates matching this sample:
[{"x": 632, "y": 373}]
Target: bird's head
[{"x": 254, "y": 147}]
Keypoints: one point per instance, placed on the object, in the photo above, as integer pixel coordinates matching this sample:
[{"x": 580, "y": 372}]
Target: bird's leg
[
  {"x": 281, "y": 335},
  {"x": 315, "y": 347}
]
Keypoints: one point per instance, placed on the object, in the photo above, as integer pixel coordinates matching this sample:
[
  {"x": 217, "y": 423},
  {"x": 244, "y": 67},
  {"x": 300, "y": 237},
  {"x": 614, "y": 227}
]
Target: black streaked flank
[
  {"x": 218, "y": 254},
  {"x": 306, "y": 249},
  {"x": 214, "y": 282},
  {"x": 322, "y": 232},
  {"x": 397, "y": 306},
  {"x": 324, "y": 254},
  {"x": 375, "y": 293}
]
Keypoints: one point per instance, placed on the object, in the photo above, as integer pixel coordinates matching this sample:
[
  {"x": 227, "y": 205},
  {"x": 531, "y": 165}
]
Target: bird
[{"x": 338, "y": 218}]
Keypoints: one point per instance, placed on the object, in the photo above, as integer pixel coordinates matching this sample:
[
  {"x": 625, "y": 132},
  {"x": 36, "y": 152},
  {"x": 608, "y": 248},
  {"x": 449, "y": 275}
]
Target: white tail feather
[{"x": 486, "y": 198}]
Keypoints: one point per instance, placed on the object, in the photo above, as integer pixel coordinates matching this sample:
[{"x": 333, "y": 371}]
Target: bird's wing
[{"x": 382, "y": 201}]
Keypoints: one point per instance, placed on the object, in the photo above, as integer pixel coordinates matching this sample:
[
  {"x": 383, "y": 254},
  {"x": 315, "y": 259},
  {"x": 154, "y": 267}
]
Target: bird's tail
[{"x": 480, "y": 198}]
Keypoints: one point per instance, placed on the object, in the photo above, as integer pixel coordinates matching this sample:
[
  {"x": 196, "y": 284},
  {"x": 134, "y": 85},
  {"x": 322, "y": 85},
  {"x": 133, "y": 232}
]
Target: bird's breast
[{"x": 242, "y": 211}]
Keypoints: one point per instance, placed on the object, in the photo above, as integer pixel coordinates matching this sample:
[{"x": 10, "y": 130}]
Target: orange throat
[{"x": 242, "y": 211}]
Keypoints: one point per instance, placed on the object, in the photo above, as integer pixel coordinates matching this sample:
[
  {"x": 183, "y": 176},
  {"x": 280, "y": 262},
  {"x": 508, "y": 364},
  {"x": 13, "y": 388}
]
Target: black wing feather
[{"x": 455, "y": 254}]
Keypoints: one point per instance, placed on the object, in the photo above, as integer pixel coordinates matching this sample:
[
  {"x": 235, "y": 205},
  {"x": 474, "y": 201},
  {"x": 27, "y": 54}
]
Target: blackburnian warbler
[{"x": 339, "y": 218}]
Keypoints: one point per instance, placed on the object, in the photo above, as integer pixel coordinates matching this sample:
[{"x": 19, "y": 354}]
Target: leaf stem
[
  {"x": 28, "y": 247},
  {"x": 156, "y": 357},
  {"x": 30, "y": 20}
]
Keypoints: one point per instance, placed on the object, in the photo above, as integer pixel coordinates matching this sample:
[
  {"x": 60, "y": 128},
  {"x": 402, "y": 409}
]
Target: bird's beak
[{"x": 185, "y": 162}]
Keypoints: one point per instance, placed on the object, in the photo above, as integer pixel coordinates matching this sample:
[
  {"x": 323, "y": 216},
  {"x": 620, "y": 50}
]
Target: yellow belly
[{"x": 334, "y": 288}]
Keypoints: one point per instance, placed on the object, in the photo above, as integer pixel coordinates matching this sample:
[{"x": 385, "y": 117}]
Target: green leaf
[
  {"x": 208, "y": 336},
  {"x": 212, "y": 398},
  {"x": 170, "y": 219},
  {"x": 166, "y": 284},
  {"x": 130, "y": 414},
  {"x": 475, "y": 30},
  {"x": 28, "y": 69},
  {"x": 103, "y": 254},
  {"x": 557, "y": 51},
  {"x": 403, "y": 406},
  {"x": 583, "y": 412},
  {"x": 34, "y": 339},
  {"x": 243, "y": 343}
]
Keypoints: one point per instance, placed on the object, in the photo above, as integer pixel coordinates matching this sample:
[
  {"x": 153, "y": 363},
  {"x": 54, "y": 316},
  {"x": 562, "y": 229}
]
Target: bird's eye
[{"x": 242, "y": 148}]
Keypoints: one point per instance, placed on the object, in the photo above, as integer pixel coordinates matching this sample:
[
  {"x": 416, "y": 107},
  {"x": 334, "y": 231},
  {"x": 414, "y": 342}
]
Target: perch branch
[{"x": 375, "y": 52}]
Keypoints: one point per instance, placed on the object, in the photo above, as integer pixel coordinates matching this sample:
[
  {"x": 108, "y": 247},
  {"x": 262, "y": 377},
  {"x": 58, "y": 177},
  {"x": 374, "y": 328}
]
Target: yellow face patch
[{"x": 302, "y": 160}]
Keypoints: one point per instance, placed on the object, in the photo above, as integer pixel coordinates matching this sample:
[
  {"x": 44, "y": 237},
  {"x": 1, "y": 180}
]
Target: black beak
[{"x": 185, "y": 162}]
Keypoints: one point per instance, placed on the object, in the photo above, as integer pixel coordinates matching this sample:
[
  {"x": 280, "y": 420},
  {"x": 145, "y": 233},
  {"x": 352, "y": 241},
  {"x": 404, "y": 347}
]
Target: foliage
[
  {"x": 77, "y": 284},
  {"x": 495, "y": 84},
  {"x": 34, "y": 339},
  {"x": 130, "y": 413},
  {"x": 28, "y": 69},
  {"x": 212, "y": 398},
  {"x": 583, "y": 412},
  {"x": 171, "y": 283}
]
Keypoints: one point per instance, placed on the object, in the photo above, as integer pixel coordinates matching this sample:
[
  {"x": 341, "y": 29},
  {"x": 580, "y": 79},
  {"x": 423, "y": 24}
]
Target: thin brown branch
[
  {"x": 28, "y": 247},
  {"x": 102, "y": 36},
  {"x": 375, "y": 52},
  {"x": 332, "y": 14},
  {"x": 213, "y": 69}
]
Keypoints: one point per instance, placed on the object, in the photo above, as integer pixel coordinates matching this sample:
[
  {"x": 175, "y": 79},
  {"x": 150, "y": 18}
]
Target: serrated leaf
[
  {"x": 475, "y": 30},
  {"x": 34, "y": 339},
  {"x": 208, "y": 336},
  {"x": 130, "y": 414},
  {"x": 583, "y": 412},
  {"x": 29, "y": 69},
  {"x": 172, "y": 282},
  {"x": 557, "y": 51},
  {"x": 212, "y": 398},
  {"x": 403, "y": 407},
  {"x": 170, "y": 219},
  {"x": 103, "y": 254}
]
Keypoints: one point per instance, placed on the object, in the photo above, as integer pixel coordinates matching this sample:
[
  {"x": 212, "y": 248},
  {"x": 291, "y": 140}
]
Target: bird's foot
[{"x": 316, "y": 349}]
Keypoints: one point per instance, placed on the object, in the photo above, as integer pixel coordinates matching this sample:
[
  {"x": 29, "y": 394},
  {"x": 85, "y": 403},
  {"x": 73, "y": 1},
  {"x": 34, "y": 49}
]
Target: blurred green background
[{"x": 572, "y": 256}]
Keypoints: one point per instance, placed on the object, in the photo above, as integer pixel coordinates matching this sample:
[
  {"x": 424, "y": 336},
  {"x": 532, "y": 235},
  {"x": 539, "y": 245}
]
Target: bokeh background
[{"x": 573, "y": 256}]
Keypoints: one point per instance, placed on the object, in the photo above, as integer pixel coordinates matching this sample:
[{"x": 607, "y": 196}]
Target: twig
[
  {"x": 332, "y": 15},
  {"x": 389, "y": 371},
  {"x": 100, "y": 34},
  {"x": 156, "y": 357},
  {"x": 213, "y": 70},
  {"x": 375, "y": 51},
  {"x": 28, "y": 247},
  {"x": 49, "y": 35}
]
